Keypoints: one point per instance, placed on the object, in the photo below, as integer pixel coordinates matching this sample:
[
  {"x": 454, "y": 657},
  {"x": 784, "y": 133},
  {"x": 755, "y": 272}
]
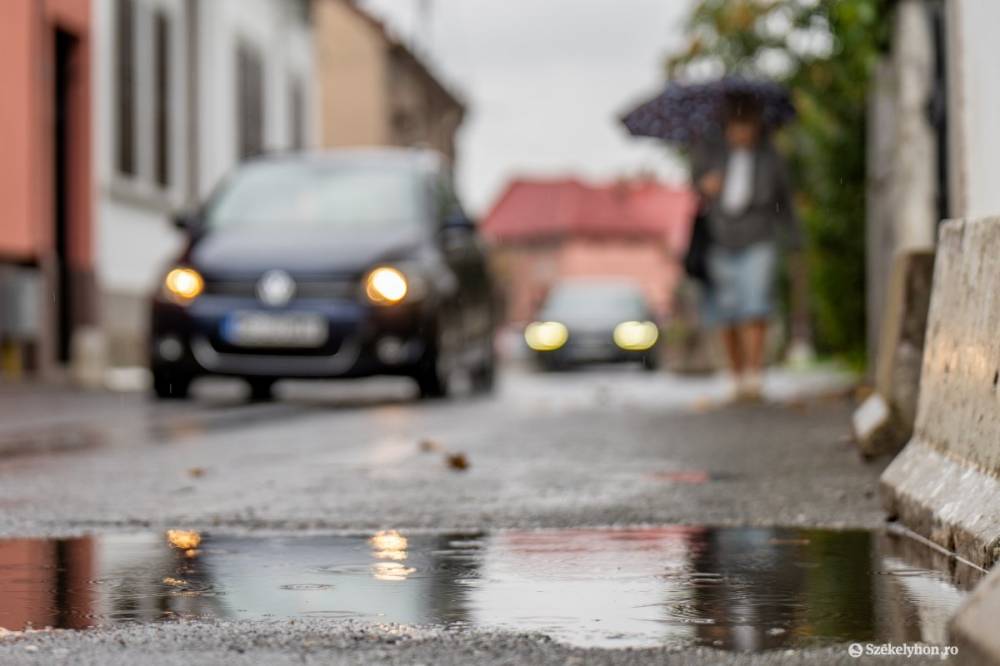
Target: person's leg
[
  {"x": 724, "y": 268},
  {"x": 757, "y": 284},
  {"x": 754, "y": 335},
  {"x": 733, "y": 343}
]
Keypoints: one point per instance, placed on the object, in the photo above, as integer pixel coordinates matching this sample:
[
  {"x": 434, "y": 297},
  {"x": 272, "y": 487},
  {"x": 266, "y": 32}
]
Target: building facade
[
  {"x": 544, "y": 231},
  {"x": 933, "y": 144},
  {"x": 374, "y": 90},
  {"x": 186, "y": 89},
  {"x": 46, "y": 214}
]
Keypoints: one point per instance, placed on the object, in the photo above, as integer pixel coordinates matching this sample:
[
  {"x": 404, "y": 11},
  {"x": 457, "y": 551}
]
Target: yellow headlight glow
[
  {"x": 546, "y": 335},
  {"x": 386, "y": 285},
  {"x": 184, "y": 284},
  {"x": 636, "y": 335}
]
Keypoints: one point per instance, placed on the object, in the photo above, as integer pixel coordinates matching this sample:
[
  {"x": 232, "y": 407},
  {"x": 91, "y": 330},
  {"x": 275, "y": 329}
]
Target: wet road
[{"x": 584, "y": 450}]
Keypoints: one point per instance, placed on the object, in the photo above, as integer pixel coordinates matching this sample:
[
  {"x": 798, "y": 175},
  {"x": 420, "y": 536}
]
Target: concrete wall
[
  {"x": 270, "y": 28},
  {"x": 902, "y": 213},
  {"x": 28, "y": 195},
  {"x": 352, "y": 76},
  {"x": 375, "y": 92},
  {"x": 945, "y": 482},
  {"x": 974, "y": 97}
]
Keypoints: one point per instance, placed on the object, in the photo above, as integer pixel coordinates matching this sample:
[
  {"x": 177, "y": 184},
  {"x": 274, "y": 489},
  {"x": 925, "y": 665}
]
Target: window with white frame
[
  {"x": 250, "y": 101},
  {"x": 125, "y": 107},
  {"x": 161, "y": 99},
  {"x": 144, "y": 111}
]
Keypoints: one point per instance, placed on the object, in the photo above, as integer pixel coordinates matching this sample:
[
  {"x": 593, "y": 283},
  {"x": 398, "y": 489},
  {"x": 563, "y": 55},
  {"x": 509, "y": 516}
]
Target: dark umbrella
[{"x": 689, "y": 112}]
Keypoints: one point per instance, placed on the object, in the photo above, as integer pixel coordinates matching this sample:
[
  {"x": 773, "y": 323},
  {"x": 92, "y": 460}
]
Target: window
[
  {"x": 296, "y": 112},
  {"x": 250, "y": 98},
  {"x": 161, "y": 105},
  {"x": 125, "y": 93}
]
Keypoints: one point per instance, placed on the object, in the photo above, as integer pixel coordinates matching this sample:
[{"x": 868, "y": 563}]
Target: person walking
[{"x": 746, "y": 198}]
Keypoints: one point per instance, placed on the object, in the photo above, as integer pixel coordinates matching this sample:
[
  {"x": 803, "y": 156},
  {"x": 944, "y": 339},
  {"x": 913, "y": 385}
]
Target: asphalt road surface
[{"x": 577, "y": 450}]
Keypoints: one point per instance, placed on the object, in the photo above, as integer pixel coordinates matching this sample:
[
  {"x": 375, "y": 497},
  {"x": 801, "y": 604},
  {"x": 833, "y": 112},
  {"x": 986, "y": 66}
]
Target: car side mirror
[{"x": 186, "y": 221}]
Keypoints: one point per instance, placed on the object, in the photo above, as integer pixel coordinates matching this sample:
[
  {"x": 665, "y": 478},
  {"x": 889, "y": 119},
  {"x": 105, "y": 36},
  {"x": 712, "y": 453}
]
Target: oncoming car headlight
[
  {"x": 636, "y": 335},
  {"x": 546, "y": 335},
  {"x": 183, "y": 285},
  {"x": 386, "y": 286}
]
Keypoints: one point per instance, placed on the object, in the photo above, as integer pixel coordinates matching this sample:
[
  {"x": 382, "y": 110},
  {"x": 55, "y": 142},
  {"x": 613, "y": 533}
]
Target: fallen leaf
[
  {"x": 429, "y": 446},
  {"x": 457, "y": 461},
  {"x": 174, "y": 582},
  {"x": 196, "y": 472}
]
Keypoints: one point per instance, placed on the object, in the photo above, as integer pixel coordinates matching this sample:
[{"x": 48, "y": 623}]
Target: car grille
[{"x": 313, "y": 289}]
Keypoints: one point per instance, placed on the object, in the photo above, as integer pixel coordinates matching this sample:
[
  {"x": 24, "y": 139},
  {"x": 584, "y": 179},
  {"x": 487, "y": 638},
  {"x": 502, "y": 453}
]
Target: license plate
[{"x": 275, "y": 330}]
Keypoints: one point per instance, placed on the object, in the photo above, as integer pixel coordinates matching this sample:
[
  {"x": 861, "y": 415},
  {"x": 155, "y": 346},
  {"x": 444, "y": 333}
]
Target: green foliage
[{"x": 824, "y": 50}]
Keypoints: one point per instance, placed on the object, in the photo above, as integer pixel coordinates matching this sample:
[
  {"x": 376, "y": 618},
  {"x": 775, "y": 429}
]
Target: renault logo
[{"x": 275, "y": 288}]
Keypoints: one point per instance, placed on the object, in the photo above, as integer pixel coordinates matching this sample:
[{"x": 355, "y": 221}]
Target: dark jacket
[{"x": 769, "y": 216}]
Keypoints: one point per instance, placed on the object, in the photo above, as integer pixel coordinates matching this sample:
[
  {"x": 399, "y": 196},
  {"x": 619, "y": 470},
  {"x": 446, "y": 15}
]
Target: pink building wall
[{"x": 27, "y": 147}]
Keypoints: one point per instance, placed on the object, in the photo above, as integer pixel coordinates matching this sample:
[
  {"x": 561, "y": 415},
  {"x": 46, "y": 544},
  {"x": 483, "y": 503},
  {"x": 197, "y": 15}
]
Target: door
[{"x": 65, "y": 45}]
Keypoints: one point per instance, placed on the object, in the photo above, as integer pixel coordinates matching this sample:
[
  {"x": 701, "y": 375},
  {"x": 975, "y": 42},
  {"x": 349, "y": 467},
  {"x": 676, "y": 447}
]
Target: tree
[{"x": 824, "y": 51}]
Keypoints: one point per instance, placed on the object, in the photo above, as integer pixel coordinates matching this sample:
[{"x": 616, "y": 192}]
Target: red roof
[{"x": 537, "y": 209}]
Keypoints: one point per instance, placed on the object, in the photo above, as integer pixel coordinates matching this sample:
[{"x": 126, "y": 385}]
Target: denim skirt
[{"x": 742, "y": 284}]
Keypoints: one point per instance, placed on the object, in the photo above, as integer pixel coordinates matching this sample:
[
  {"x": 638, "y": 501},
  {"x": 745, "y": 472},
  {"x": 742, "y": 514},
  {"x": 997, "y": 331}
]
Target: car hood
[{"x": 251, "y": 251}]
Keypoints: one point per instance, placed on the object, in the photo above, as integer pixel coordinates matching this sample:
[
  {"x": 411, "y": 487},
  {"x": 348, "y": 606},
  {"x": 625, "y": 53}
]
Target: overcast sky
[{"x": 545, "y": 82}]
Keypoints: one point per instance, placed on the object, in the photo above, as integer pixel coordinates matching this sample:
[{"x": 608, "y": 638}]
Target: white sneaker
[{"x": 752, "y": 386}]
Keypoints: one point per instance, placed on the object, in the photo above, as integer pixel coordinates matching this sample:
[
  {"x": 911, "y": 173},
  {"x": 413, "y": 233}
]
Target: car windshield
[
  {"x": 595, "y": 300},
  {"x": 328, "y": 196}
]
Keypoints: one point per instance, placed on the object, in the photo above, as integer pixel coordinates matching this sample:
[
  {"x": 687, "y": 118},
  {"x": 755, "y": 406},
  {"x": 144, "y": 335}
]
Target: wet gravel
[{"x": 347, "y": 642}]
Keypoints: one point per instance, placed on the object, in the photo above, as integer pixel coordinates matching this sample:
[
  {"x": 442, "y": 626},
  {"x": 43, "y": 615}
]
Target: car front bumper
[{"x": 362, "y": 340}]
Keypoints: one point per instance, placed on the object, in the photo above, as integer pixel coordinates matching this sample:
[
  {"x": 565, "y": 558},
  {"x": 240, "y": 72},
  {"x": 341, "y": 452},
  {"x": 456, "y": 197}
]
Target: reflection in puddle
[{"x": 735, "y": 588}]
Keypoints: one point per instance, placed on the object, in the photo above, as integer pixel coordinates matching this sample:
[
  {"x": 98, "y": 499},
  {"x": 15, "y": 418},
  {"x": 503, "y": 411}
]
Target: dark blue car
[{"x": 327, "y": 265}]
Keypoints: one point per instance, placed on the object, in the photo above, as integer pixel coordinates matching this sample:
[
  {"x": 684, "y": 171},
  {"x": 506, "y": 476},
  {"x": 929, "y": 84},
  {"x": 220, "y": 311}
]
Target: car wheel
[
  {"x": 484, "y": 378},
  {"x": 171, "y": 385},
  {"x": 261, "y": 390},
  {"x": 650, "y": 363},
  {"x": 432, "y": 380}
]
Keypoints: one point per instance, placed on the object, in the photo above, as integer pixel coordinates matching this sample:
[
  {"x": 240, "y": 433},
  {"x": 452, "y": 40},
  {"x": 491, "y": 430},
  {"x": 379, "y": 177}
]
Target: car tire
[
  {"x": 650, "y": 363},
  {"x": 171, "y": 385},
  {"x": 484, "y": 377},
  {"x": 261, "y": 390},
  {"x": 431, "y": 379}
]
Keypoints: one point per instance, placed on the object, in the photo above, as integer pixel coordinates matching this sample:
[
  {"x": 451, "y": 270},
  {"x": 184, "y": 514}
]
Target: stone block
[
  {"x": 973, "y": 628},
  {"x": 945, "y": 484},
  {"x": 900, "y": 354}
]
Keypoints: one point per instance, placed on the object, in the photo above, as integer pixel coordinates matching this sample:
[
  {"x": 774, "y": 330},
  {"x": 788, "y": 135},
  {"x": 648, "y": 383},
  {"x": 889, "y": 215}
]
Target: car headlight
[
  {"x": 546, "y": 335},
  {"x": 183, "y": 285},
  {"x": 386, "y": 286},
  {"x": 636, "y": 335}
]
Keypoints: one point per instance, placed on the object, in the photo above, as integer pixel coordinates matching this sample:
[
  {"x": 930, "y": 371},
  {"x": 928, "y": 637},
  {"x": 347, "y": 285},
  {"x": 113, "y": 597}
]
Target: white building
[
  {"x": 934, "y": 139},
  {"x": 185, "y": 89},
  {"x": 974, "y": 101}
]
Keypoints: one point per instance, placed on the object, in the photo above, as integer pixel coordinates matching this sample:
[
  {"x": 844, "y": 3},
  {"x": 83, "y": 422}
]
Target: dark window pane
[
  {"x": 161, "y": 118},
  {"x": 296, "y": 111},
  {"x": 125, "y": 101},
  {"x": 250, "y": 110}
]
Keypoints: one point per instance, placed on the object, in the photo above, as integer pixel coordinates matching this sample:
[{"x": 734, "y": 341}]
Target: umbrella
[{"x": 686, "y": 113}]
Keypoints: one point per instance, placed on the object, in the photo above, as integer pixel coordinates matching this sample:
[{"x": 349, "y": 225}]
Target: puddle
[{"x": 734, "y": 588}]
